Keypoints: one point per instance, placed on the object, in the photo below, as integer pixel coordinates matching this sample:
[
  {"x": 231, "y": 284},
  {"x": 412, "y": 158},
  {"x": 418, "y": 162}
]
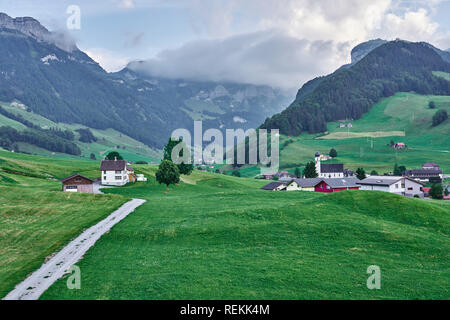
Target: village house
[
  {"x": 399, "y": 145},
  {"x": 78, "y": 183},
  {"x": 431, "y": 166},
  {"x": 332, "y": 170},
  {"x": 336, "y": 185},
  {"x": 115, "y": 172},
  {"x": 392, "y": 184},
  {"x": 303, "y": 184},
  {"x": 423, "y": 175},
  {"x": 275, "y": 186}
]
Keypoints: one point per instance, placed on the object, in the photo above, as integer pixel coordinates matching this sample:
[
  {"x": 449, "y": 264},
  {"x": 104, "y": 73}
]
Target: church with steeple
[{"x": 328, "y": 170}]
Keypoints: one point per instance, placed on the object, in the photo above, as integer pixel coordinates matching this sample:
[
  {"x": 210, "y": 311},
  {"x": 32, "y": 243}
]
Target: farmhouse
[
  {"x": 398, "y": 185},
  {"x": 78, "y": 183},
  {"x": 431, "y": 166},
  {"x": 423, "y": 174},
  {"x": 399, "y": 145},
  {"x": 115, "y": 172},
  {"x": 302, "y": 184},
  {"x": 335, "y": 185},
  {"x": 275, "y": 186}
]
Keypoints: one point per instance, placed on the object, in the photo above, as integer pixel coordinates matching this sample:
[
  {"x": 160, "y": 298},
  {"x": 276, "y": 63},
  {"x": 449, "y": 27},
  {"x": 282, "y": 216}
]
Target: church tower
[{"x": 317, "y": 158}]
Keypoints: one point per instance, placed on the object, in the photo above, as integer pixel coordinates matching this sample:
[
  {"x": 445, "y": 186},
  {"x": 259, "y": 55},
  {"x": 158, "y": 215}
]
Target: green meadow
[
  {"x": 36, "y": 218},
  {"x": 107, "y": 140},
  {"x": 404, "y": 117},
  {"x": 219, "y": 237}
]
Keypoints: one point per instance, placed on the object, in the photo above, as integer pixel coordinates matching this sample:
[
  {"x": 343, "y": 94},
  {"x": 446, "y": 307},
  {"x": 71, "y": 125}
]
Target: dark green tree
[
  {"x": 167, "y": 174},
  {"x": 360, "y": 173},
  {"x": 184, "y": 168},
  {"x": 113, "y": 155},
  {"x": 236, "y": 173},
  {"x": 432, "y": 105},
  {"x": 297, "y": 172},
  {"x": 439, "y": 117},
  {"x": 92, "y": 156},
  {"x": 333, "y": 153},
  {"x": 310, "y": 170},
  {"x": 397, "y": 170},
  {"x": 373, "y": 173},
  {"x": 436, "y": 192}
]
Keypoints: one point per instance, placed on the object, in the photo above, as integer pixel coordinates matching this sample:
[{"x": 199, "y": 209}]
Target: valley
[{"x": 222, "y": 237}]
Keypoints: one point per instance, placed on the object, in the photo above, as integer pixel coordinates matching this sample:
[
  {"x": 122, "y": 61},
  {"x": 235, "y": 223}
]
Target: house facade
[
  {"x": 302, "y": 184},
  {"x": 114, "y": 172},
  {"x": 78, "y": 183},
  {"x": 275, "y": 186},
  {"x": 336, "y": 185},
  {"x": 423, "y": 174},
  {"x": 393, "y": 184}
]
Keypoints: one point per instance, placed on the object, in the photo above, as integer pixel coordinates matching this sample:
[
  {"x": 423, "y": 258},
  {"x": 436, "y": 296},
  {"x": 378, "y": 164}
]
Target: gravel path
[{"x": 39, "y": 281}]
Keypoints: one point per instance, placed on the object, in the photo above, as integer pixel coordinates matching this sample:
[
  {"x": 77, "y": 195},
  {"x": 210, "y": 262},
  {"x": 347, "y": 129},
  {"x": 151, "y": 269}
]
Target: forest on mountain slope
[{"x": 397, "y": 66}]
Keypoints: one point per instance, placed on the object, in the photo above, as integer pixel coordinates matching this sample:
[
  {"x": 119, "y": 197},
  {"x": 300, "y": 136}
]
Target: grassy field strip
[
  {"x": 33, "y": 287},
  {"x": 351, "y": 135}
]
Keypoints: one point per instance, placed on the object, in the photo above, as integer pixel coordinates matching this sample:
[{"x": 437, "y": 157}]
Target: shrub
[{"x": 439, "y": 117}]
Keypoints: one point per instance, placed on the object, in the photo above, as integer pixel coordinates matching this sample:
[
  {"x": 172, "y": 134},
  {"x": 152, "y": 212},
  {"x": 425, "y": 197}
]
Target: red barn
[{"x": 334, "y": 185}]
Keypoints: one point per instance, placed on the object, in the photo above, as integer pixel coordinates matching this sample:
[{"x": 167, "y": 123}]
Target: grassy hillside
[
  {"x": 404, "y": 117},
  {"x": 36, "y": 218},
  {"x": 108, "y": 139},
  {"x": 219, "y": 237}
]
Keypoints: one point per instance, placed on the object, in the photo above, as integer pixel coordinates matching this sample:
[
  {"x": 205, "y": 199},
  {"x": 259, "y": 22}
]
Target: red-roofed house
[{"x": 400, "y": 145}]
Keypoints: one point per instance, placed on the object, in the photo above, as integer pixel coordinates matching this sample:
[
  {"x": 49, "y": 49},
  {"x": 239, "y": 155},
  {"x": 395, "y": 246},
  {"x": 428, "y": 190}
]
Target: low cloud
[
  {"x": 268, "y": 58},
  {"x": 109, "y": 60}
]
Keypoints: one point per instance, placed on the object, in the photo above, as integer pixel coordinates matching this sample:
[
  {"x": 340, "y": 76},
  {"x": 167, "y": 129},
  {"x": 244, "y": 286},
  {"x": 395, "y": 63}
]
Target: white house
[
  {"x": 392, "y": 184},
  {"x": 334, "y": 170},
  {"x": 114, "y": 172}
]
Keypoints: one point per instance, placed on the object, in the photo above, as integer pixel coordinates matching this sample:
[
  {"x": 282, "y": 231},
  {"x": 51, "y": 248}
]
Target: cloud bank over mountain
[
  {"x": 286, "y": 42},
  {"x": 269, "y": 57}
]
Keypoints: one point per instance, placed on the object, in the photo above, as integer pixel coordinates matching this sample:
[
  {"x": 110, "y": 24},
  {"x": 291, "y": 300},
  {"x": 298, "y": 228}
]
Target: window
[
  {"x": 71, "y": 187},
  {"x": 410, "y": 188},
  {"x": 118, "y": 178},
  {"x": 396, "y": 186},
  {"x": 104, "y": 178},
  {"x": 118, "y": 171},
  {"x": 104, "y": 172}
]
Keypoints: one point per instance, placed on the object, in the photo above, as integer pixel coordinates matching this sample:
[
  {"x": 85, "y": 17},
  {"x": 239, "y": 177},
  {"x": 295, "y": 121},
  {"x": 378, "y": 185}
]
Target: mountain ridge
[
  {"x": 349, "y": 92},
  {"x": 68, "y": 86}
]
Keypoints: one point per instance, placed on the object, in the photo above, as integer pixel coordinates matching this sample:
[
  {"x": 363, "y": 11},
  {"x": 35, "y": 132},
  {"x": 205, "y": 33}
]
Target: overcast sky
[{"x": 282, "y": 43}]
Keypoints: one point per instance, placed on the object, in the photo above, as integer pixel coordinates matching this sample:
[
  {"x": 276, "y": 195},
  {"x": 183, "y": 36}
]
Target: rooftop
[
  {"x": 331, "y": 168},
  {"x": 113, "y": 165}
]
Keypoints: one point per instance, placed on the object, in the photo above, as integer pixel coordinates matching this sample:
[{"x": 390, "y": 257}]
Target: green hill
[
  {"x": 220, "y": 237},
  {"x": 396, "y": 66},
  {"x": 404, "y": 117},
  {"x": 107, "y": 140},
  {"x": 224, "y": 238}
]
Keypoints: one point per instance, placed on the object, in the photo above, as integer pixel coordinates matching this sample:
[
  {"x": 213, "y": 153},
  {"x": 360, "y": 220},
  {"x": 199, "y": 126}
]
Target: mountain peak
[
  {"x": 26, "y": 25},
  {"x": 363, "y": 49}
]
